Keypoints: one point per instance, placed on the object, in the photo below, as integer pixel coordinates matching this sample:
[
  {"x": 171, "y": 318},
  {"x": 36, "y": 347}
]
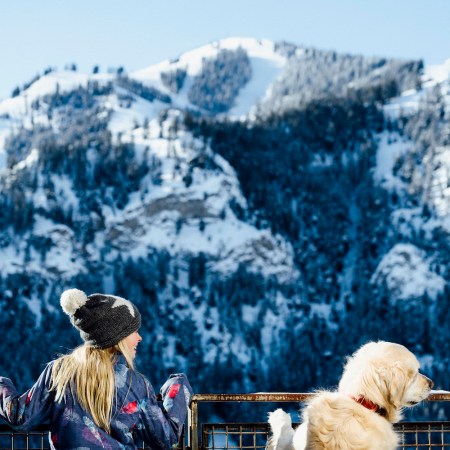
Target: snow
[
  {"x": 59, "y": 261},
  {"x": 11, "y": 262},
  {"x": 321, "y": 310},
  {"x": 35, "y": 305},
  {"x": 266, "y": 66},
  {"x": 407, "y": 273},
  {"x": 391, "y": 146},
  {"x": 153, "y": 216},
  {"x": 28, "y": 161},
  {"x": 65, "y": 81},
  {"x": 5, "y": 130},
  {"x": 170, "y": 215},
  {"x": 125, "y": 119},
  {"x": 64, "y": 189},
  {"x": 438, "y": 73},
  {"x": 408, "y": 221},
  {"x": 270, "y": 324},
  {"x": 188, "y": 220},
  {"x": 265, "y": 70},
  {"x": 228, "y": 242},
  {"x": 409, "y": 101},
  {"x": 192, "y": 60},
  {"x": 439, "y": 190}
]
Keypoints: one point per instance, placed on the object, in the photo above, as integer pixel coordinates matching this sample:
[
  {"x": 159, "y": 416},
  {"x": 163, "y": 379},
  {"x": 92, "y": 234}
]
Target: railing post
[{"x": 193, "y": 426}]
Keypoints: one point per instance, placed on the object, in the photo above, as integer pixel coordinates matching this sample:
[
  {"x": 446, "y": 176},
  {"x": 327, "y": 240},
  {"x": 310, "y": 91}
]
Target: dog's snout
[{"x": 428, "y": 381}]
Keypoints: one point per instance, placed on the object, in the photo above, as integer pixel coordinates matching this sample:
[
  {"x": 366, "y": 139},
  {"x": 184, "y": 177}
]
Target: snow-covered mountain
[
  {"x": 416, "y": 162},
  {"x": 251, "y": 197}
]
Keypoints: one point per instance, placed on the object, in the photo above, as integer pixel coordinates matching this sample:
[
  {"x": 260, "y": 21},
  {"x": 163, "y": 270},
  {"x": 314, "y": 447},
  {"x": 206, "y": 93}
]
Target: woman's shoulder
[
  {"x": 46, "y": 374},
  {"x": 123, "y": 373},
  {"x": 142, "y": 379}
]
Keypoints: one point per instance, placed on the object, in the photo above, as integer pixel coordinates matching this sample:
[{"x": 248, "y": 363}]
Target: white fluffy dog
[{"x": 379, "y": 380}]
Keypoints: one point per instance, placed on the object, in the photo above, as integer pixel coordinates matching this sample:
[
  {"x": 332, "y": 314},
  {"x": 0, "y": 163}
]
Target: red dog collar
[{"x": 369, "y": 404}]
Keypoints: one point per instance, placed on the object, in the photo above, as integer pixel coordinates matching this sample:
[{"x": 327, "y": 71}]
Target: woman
[{"x": 93, "y": 397}]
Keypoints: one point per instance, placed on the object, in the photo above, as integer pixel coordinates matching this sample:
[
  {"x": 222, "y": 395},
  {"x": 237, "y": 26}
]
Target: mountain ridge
[{"x": 314, "y": 217}]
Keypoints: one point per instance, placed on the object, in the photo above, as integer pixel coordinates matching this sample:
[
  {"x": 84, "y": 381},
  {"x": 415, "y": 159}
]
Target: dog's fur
[{"x": 383, "y": 373}]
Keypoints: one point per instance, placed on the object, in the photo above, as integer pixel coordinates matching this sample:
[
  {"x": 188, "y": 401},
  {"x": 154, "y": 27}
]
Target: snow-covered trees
[
  {"x": 146, "y": 92},
  {"x": 305, "y": 169},
  {"x": 174, "y": 79},
  {"x": 220, "y": 80},
  {"x": 312, "y": 74}
]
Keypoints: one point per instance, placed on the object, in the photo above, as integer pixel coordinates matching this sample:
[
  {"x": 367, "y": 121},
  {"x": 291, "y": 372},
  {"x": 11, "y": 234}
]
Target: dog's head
[{"x": 387, "y": 374}]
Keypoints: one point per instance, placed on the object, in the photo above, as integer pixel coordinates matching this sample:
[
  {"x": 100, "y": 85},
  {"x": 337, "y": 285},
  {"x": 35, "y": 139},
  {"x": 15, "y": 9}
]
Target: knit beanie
[{"x": 103, "y": 320}]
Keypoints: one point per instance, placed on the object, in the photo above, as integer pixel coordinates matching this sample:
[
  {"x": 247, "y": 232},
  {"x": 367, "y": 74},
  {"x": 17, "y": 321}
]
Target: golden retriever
[{"x": 379, "y": 380}]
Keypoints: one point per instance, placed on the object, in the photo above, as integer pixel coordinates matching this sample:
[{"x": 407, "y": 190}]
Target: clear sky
[{"x": 137, "y": 33}]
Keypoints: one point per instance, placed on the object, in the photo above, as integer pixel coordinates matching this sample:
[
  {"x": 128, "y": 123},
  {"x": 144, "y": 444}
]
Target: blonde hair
[{"x": 90, "y": 371}]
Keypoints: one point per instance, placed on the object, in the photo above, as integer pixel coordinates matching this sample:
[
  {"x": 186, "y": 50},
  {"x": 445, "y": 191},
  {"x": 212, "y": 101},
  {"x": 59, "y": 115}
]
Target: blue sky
[{"x": 138, "y": 33}]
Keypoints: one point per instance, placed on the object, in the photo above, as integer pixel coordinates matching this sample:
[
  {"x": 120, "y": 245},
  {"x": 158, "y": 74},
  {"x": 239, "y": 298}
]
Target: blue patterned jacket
[{"x": 136, "y": 413}]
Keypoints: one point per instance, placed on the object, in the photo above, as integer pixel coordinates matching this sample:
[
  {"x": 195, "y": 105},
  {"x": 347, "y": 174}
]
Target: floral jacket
[{"x": 136, "y": 413}]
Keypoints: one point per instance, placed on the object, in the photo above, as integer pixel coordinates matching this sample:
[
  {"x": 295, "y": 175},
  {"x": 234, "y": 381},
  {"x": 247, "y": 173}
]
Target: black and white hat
[{"x": 103, "y": 320}]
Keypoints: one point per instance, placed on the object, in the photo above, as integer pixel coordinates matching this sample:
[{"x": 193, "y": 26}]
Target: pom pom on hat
[{"x": 72, "y": 299}]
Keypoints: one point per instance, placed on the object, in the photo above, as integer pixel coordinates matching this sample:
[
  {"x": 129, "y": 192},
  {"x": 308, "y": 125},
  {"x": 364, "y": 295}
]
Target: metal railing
[
  {"x": 431, "y": 435},
  {"x": 253, "y": 435},
  {"x": 38, "y": 439}
]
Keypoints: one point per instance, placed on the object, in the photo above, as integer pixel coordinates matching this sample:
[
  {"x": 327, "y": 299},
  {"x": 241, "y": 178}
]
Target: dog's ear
[
  {"x": 363, "y": 377},
  {"x": 370, "y": 372},
  {"x": 373, "y": 383},
  {"x": 383, "y": 383},
  {"x": 394, "y": 380}
]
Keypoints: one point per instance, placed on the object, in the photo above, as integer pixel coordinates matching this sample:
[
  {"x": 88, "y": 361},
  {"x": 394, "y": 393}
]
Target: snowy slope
[
  {"x": 154, "y": 219},
  {"x": 195, "y": 218},
  {"x": 407, "y": 274},
  {"x": 407, "y": 270},
  {"x": 171, "y": 215},
  {"x": 266, "y": 65},
  {"x": 118, "y": 184},
  {"x": 163, "y": 217},
  {"x": 409, "y": 101},
  {"x": 393, "y": 146}
]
